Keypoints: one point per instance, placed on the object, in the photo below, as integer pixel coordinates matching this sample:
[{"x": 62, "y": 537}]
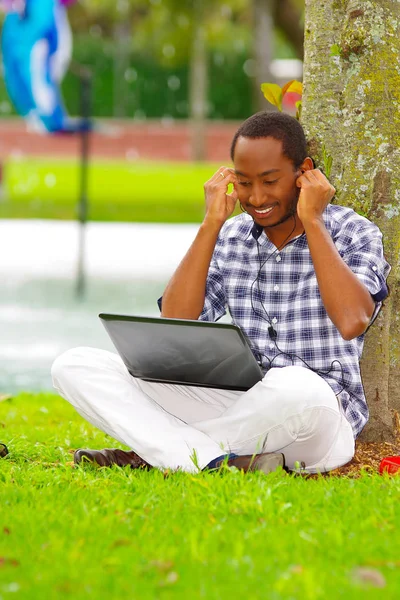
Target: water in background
[{"x": 128, "y": 266}]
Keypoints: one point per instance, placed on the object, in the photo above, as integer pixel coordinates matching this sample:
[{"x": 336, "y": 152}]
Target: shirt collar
[
  {"x": 256, "y": 230},
  {"x": 248, "y": 228}
]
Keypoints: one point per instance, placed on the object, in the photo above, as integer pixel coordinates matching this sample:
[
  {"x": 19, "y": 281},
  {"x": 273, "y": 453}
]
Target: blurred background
[{"x": 98, "y": 205}]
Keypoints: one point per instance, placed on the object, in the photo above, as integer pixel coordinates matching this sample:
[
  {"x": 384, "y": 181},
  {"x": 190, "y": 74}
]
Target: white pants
[{"x": 292, "y": 410}]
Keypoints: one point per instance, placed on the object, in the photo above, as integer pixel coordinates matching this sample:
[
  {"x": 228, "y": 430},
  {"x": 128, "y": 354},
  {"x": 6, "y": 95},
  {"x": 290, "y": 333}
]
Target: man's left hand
[{"x": 316, "y": 193}]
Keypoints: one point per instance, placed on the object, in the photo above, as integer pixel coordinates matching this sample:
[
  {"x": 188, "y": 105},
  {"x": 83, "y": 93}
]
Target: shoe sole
[
  {"x": 80, "y": 457},
  {"x": 3, "y": 450}
]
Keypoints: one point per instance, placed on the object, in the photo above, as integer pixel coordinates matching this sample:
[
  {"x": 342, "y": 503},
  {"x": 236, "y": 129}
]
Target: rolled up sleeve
[{"x": 365, "y": 257}]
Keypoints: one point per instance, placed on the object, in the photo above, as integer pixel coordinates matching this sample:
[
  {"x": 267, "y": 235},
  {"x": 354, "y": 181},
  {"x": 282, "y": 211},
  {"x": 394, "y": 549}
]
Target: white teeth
[{"x": 265, "y": 211}]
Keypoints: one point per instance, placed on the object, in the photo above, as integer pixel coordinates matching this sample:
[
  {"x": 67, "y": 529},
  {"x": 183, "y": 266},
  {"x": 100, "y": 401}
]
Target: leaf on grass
[
  {"x": 11, "y": 562},
  {"x": 162, "y": 565},
  {"x": 273, "y": 93},
  {"x": 365, "y": 575},
  {"x": 6, "y": 531},
  {"x": 297, "y": 569},
  {"x": 121, "y": 542},
  {"x": 172, "y": 577},
  {"x": 384, "y": 563}
]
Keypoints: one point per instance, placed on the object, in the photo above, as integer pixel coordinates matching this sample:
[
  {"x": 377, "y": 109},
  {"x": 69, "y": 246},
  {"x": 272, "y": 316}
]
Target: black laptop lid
[{"x": 183, "y": 351}]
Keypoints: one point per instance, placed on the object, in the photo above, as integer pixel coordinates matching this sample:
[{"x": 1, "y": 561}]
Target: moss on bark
[{"x": 351, "y": 107}]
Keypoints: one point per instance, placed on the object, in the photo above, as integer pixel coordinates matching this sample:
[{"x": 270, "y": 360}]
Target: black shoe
[
  {"x": 266, "y": 462},
  {"x": 3, "y": 450},
  {"x": 111, "y": 456}
]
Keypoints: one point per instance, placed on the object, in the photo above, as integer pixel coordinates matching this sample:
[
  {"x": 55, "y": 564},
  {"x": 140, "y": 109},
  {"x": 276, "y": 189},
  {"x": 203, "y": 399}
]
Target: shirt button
[
  {"x": 276, "y": 288},
  {"x": 278, "y": 259},
  {"x": 274, "y": 320},
  {"x": 271, "y": 346},
  {"x": 374, "y": 268}
]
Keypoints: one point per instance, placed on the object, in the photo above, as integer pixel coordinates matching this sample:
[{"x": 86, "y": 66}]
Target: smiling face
[{"x": 266, "y": 183}]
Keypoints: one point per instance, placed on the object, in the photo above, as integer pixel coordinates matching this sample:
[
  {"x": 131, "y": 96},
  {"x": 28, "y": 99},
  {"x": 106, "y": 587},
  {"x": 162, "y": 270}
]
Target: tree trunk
[
  {"x": 262, "y": 48},
  {"x": 198, "y": 86},
  {"x": 287, "y": 17},
  {"x": 122, "y": 49},
  {"x": 351, "y": 110}
]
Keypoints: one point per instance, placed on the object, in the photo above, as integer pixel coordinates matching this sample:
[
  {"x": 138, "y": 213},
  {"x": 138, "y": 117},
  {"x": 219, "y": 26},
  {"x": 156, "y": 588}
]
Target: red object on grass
[{"x": 390, "y": 464}]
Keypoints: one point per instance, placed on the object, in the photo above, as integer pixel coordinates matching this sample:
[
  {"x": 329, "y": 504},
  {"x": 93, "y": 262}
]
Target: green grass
[
  {"x": 116, "y": 533},
  {"x": 118, "y": 190}
]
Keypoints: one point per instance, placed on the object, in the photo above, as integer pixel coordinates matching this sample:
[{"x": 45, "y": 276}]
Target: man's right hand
[
  {"x": 219, "y": 204},
  {"x": 185, "y": 293}
]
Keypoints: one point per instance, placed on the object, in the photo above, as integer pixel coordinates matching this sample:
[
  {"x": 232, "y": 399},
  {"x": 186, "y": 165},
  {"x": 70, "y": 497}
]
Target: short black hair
[{"x": 279, "y": 126}]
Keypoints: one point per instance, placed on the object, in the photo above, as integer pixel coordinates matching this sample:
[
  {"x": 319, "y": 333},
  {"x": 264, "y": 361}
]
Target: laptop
[{"x": 184, "y": 352}]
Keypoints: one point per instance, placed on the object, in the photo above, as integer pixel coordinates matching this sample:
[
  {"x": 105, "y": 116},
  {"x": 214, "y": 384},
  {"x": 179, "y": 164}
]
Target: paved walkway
[
  {"x": 35, "y": 248},
  {"x": 128, "y": 266}
]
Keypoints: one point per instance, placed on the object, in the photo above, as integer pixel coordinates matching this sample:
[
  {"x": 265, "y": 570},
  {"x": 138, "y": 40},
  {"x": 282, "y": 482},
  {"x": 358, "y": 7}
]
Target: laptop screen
[{"x": 183, "y": 351}]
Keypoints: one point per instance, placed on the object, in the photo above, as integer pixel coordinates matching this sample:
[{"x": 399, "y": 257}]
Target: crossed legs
[{"x": 292, "y": 410}]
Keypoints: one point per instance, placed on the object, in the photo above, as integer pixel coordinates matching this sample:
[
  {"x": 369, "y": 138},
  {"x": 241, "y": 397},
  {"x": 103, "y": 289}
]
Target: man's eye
[
  {"x": 245, "y": 183},
  {"x": 269, "y": 182}
]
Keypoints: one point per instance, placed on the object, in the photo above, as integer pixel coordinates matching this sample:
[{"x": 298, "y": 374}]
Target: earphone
[{"x": 273, "y": 334}]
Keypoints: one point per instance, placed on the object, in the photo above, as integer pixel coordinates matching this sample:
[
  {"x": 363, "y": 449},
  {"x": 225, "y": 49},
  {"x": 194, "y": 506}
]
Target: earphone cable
[{"x": 272, "y": 332}]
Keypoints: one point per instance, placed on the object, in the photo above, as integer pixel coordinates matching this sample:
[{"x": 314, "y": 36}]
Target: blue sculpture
[{"x": 37, "y": 46}]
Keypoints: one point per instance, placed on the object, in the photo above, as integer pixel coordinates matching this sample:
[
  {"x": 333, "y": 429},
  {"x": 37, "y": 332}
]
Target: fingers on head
[
  {"x": 229, "y": 176},
  {"x": 218, "y": 177},
  {"x": 224, "y": 172},
  {"x": 221, "y": 178}
]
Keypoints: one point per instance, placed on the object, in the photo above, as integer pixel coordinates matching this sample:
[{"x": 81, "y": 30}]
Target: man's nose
[{"x": 258, "y": 196}]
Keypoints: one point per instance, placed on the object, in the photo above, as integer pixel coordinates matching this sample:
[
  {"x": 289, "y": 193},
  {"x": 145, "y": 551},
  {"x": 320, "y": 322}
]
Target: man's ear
[{"x": 307, "y": 165}]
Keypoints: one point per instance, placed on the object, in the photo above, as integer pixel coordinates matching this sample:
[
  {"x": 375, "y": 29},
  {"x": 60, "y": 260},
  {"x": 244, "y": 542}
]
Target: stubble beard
[{"x": 291, "y": 213}]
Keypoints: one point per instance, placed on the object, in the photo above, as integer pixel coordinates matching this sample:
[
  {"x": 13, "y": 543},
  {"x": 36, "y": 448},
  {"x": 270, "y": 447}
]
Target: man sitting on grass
[{"x": 303, "y": 278}]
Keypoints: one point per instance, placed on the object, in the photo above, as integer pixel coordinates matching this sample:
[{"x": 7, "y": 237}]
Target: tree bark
[
  {"x": 262, "y": 48},
  {"x": 351, "y": 110}
]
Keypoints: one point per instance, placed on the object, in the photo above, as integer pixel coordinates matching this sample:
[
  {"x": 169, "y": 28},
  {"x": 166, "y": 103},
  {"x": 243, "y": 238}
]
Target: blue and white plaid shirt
[{"x": 284, "y": 294}]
